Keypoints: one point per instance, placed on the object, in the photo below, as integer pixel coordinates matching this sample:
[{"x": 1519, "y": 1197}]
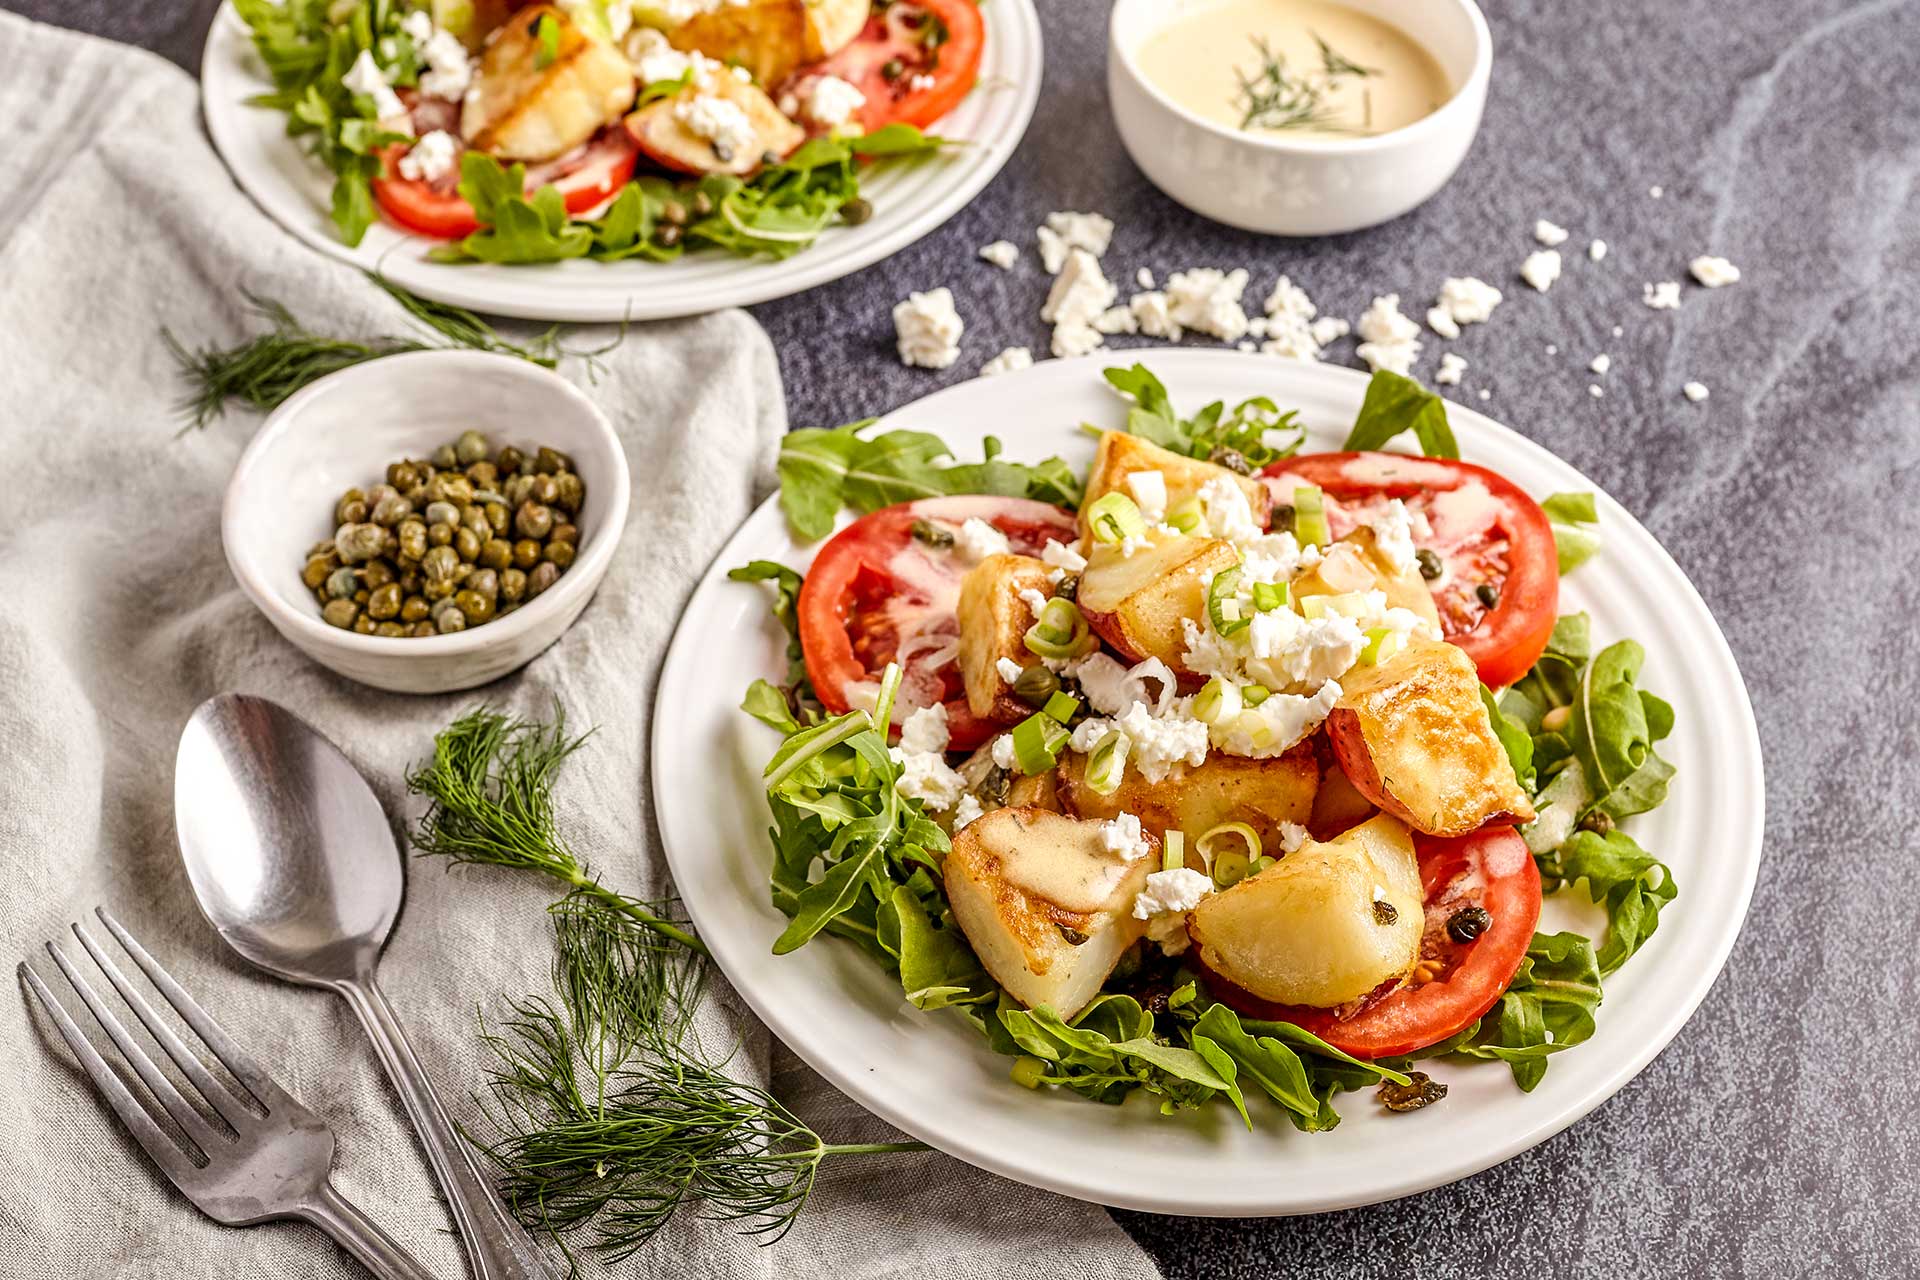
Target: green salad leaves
[
  {"x": 1213, "y": 434},
  {"x": 1397, "y": 404}
]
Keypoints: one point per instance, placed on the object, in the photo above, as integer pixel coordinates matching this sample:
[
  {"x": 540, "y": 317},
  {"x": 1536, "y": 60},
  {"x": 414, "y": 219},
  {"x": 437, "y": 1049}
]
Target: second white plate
[
  {"x": 932, "y": 1075},
  {"x": 909, "y": 200}
]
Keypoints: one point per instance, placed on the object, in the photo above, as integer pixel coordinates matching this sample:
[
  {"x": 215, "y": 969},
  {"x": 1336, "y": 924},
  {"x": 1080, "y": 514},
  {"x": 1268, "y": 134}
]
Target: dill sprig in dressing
[{"x": 1276, "y": 98}]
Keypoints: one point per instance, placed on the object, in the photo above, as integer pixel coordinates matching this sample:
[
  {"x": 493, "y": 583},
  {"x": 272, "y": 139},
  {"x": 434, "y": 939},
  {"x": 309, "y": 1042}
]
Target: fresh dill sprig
[
  {"x": 1275, "y": 98},
  {"x": 490, "y": 783},
  {"x": 1334, "y": 64}
]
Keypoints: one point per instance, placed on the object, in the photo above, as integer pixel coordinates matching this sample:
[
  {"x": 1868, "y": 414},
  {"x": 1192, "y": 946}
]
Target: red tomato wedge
[
  {"x": 586, "y": 178},
  {"x": 876, "y": 594},
  {"x": 932, "y": 48},
  {"x": 1491, "y": 538},
  {"x": 1491, "y": 869}
]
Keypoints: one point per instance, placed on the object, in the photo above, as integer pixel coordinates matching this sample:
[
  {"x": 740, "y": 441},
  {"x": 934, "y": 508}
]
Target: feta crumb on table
[
  {"x": 1597, "y": 250},
  {"x": 1065, "y": 231},
  {"x": 1713, "y": 272},
  {"x": 1007, "y": 361},
  {"x": 928, "y": 329},
  {"x": 1541, "y": 268},
  {"x": 1695, "y": 391},
  {"x": 1601, "y": 363},
  {"x": 1388, "y": 339},
  {"x": 1549, "y": 234},
  {"x": 1664, "y": 296},
  {"x": 1001, "y": 253},
  {"x": 1451, "y": 367}
]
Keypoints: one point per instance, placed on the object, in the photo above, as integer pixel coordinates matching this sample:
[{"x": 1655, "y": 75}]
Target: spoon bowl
[{"x": 289, "y": 852}]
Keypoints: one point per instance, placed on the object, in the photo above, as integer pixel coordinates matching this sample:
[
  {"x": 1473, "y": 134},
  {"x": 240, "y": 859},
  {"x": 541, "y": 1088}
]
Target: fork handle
[
  {"x": 360, "y": 1236},
  {"x": 496, "y": 1245}
]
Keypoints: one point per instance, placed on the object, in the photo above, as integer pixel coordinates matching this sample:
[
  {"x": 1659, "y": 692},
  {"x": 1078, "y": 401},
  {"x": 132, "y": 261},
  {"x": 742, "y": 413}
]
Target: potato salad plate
[
  {"x": 1218, "y": 785},
  {"x": 600, "y": 160}
]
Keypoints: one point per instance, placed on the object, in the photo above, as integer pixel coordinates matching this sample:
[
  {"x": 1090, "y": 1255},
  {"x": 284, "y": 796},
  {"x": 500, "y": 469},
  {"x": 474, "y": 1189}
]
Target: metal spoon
[{"x": 295, "y": 866}]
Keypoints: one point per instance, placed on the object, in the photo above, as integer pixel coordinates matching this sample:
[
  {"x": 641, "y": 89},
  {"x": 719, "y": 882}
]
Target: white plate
[
  {"x": 931, "y": 1075},
  {"x": 909, "y": 200}
]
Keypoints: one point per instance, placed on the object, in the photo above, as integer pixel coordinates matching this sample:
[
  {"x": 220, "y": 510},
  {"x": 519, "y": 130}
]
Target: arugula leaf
[
  {"x": 1621, "y": 876},
  {"x": 1514, "y": 737},
  {"x": 1573, "y": 519},
  {"x": 1213, "y": 434},
  {"x": 786, "y": 596},
  {"x": 1613, "y": 729},
  {"x": 1395, "y": 404},
  {"x": 937, "y": 967},
  {"x": 1548, "y": 1008}
]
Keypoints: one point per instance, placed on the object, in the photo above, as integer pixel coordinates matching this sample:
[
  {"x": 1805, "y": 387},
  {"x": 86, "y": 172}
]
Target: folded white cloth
[{"x": 119, "y": 616}]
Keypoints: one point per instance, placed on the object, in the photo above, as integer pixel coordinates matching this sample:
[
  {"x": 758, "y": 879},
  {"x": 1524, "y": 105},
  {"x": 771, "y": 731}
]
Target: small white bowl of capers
[{"x": 429, "y": 521}]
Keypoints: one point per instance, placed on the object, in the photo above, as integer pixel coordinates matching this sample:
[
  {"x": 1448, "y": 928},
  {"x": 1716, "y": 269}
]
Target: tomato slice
[
  {"x": 936, "y": 46},
  {"x": 1487, "y": 532},
  {"x": 876, "y": 594},
  {"x": 1491, "y": 869},
  {"x": 587, "y": 178}
]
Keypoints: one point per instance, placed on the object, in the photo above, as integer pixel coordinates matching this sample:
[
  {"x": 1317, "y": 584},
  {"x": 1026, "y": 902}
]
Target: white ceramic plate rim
[
  {"x": 929, "y": 1074},
  {"x": 910, "y": 201}
]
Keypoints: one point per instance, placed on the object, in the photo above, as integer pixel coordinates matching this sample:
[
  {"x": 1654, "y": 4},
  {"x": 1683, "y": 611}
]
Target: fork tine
[
  {"x": 218, "y": 1096},
  {"x": 196, "y": 1126},
  {"x": 163, "y": 1150},
  {"x": 261, "y": 1085}
]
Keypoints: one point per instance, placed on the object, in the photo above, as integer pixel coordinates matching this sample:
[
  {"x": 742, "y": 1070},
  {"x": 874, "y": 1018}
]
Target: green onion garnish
[
  {"x": 1230, "y": 864},
  {"x": 1268, "y": 596},
  {"x": 1223, "y": 602},
  {"x": 1217, "y": 703},
  {"x": 1061, "y": 706},
  {"x": 1382, "y": 643},
  {"x": 1253, "y": 695},
  {"x": 1107, "y": 764},
  {"x": 1173, "y": 850},
  {"x": 1310, "y": 516},
  {"x": 1189, "y": 517},
  {"x": 1060, "y": 632},
  {"x": 1036, "y": 743},
  {"x": 1028, "y": 1071},
  {"x": 1114, "y": 517}
]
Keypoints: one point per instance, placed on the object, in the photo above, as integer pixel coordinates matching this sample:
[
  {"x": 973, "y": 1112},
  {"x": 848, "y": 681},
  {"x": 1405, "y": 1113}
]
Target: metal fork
[{"x": 270, "y": 1159}]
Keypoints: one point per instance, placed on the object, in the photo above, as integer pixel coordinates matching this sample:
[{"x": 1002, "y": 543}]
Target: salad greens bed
[
  {"x": 309, "y": 45},
  {"x": 854, "y": 859}
]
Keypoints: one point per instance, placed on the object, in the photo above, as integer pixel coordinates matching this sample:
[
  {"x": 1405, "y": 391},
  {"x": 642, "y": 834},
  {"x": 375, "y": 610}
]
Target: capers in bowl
[{"x": 449, "y": 542}]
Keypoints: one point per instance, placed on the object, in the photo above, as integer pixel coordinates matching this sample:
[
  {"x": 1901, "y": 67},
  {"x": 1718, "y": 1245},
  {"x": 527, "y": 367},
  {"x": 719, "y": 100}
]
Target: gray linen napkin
[{"x": 116, "y": 217}]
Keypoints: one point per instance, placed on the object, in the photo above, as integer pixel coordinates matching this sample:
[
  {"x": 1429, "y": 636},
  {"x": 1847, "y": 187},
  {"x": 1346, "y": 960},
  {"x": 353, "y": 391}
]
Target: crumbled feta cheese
[
  {"x": 1081, "y": 292},
  {"x": 1549, "y": 234},
  {"x": 1292, "y": 836},
  {"x": 1597, "y": 250},
  {"x": 1388, "y": 340},
  {"x": 721, "y": 121},
  {"x": 1174, "y": 892},
  {"x": 1486, "y": 394},
  {"x": 1618, "y": 331},
  {"x": 1162, "y": 741},
  {"x": 1328, "y": 328},
  {"x": 831, "y": 101},
  {"x": 1257, "y": 326},
  {"x": 1121, "y": 834},
  {"x": 1116, "y": 319},
  {"x": 924, "y": 774},
  {"x": 1664, "y": 296},
  {"x": 1276, "y": 725},
  {"x": 925, "y": 730},
  {"x": 1695, "y": 391},
  {"x": 1149, "y": 490},
  {"x": 1442, "y": 323},
  {"x": 1467, "y": 300},
  {"x": 1207, "y": 300},
  {"x": 966, "y": 811},
  {"x": 1713, "y": 272},
  {"x": 1229, "y": 514},
  {"x": 928, "y": 329},
  {"x": 1290, "y": 327},
  {"x": 449, "y": 70},
  {"x": 654, "y": 60},
  {"x": 1451, "y": 367},
  {"x": 1394, "y": 528},
  {"x": 1288, "y": 299},
  {"x": 1600, "y": 363},
  {"x": 1066, "y": 231},
  {"x": 431, "y": 158},
  {"x": 1071, "y": 340},
  {"x": 1143, "y": 278},
  {"x": 1552, "y": 350},
  {"x": 366, "y": 78},
  {"x": 1009, "y": 669},
  {"x": 418, "y": 26},
  {"x": 977, "y": 540},
  {"x": 1594, "y": 389},
  {"x": 1001, "y": 253},
  {"x": 1002, "y": 752},
  {"x": 1155, "y": 317},
  {"x": 1007, "y": 361},
  {"x": 920, "y": 83},
  {"x": 1541, "y": 268},
  {"x": 1035, "y": 601},
  {"x": 1656, "y": 191}
]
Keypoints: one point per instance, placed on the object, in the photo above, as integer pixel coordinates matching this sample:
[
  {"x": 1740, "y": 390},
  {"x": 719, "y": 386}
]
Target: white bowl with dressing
[{"x": 1293, "y": 181}]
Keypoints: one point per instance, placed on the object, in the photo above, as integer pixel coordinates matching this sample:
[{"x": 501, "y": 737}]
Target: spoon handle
[{"x": 496, "y": 1245}]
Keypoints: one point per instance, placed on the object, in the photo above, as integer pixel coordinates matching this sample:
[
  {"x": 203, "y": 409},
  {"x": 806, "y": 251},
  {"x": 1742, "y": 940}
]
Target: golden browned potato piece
[
  {"x": 1038, "y": 791},
  {"x": 771, "y": 38},
  {"x": 1047, "y": 907},
  {"x": 1120, "y": 454},
  {"x": 1414, "y": 738},
  {"x": 1196, "y": 798},
  {"x": 519, "y": 109},
  {"x": 1309, "y": 930},
  {"x": 1139, "y": 603},
  {"x": 1352, "y": 564},
  {"x": 471, "y": 21},
  {"x": 993, "y": 625},
  {"x": 667, "y": 140},
  {"x": 1337, "y": 804}
]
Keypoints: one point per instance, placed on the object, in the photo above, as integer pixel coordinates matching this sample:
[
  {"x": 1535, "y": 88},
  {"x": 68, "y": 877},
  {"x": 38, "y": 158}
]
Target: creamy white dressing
[
  {"x": 1315, "y": 69},
  {"x": 1082, "y": 880}
]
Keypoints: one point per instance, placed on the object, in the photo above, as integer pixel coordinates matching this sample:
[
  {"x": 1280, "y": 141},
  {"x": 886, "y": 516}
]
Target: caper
[
  {"x": 560, "y": 553},
  {"x": 515, "y": 491},
  {"x": 1487, "y": 594},
  {"x": 673, "y": 213},
  {"x": 451, "y": 487},
  {"x": 856, "y": 211},
  {"x": 892, "y": 69},
  {"x": 551, "y": 462},
  {"x": 360, "y": 595},
  {"x": 421, "y": 630},
  {"x": 541, "y": 578},
  {"x": 442, "y": 513},
  {"x": 477, "y": 607},
  {"x": 513, "y": 585},
  {"x": 439, "y": 589},
  {"x": 1421, "y": 1090},
  {"x": 391, "y": 510},
  {"x": 417, "y": 496},
  {"x": 449, "y": 619},
  {"x": 439, "y": 564},
  {"x": 1035, "y": 685},
  {"x": 509, "y": 460},
  {"x": 485, "y": 581},
  {"x": 376, "y": 574},
  {"x": 412, "y": 540},
  {"x": 340, "y": 613},
  {"x": 526, "y": 553},
  {"x": 1068, "y": 588},
  {"x": 413, "y": 609},
  {"x": 467, "y": 543},
  {"x": 533, "y": 520},
  {"x": 702, "y": 206},
  {"x": 392, "y": 630},
  {"x": 342, "y": 583},
  {"x": 1232, "y": 459},
  {"x": 403, "y": 475},
  {"x": 319, "y": 569},
  {"x": 483, "y": 474},
  {"x": 475, "y": 520},
  {"x": 545, "y": 490},
  {"x": 1600, "y": 822},
  {"x": 926, "y": 531},
  {"x": 496, "y": 553},
  {"x": 1073, "y": 937},
  {"x": 565, "y": 531},
  {"x": 1384, "y": 912},
  {"x": 499, "y": 517},
  {"x": 384, "y": 603},
  {"x": 1280, "y": 520},
  {"x": 363, "y": 625},
  {"x": 573, "y": 493},
  {"x": 439, "y": 535},
  {"x": 358, "y": 542},
  {"x": 471, "y": 447},
  {"x": 445, "y": 456},
  {"x": 351, "y": 509},
  {"x": 324, "y": 547},
  {"x": 1468, "y": 923},
  {"x": 1431, "y": 566}
]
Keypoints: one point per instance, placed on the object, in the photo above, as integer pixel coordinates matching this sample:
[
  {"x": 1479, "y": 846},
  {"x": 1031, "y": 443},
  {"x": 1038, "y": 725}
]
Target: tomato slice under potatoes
[
  {"x": 876, "y": 594},
  {"x": 1484, "y": 528},
  {"x": 1490, "y": 869},
  {"x": 915, "y": 60},
  {"x": 587, "y": 178}
]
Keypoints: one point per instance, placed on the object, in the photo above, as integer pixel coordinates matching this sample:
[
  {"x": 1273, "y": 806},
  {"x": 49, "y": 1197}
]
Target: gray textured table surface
[{"x": 1776, "y": 1137}]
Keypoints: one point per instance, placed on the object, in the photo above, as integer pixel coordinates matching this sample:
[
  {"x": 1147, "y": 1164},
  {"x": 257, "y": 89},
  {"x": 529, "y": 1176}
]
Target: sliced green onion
[
  {"x": 1230, "y": 867},
  {"x": 1382, "y": 643},
  {"x": 1173, "y": 850},
  {"x": 1347, "y": 604},
  {"x": 1223, "y": 602},
  {"x": 1061, "y": 706},
  {"x": 1268, "y": 596},
  {"x": 1189, "y": 517},
  {"x": 1028, "y": 1071},
  {"x": 1114, "y": 517},
  {"x": 882, "y": 714},
  {"x": 1221, "y": 838},
  {"x": 1254, "y": 725},
  {"x": 1060, "y": 632},
  {"x": 1107, "y": 763},
  {"x": 1254, "y": 694},
  {"x": 1261, "y": 863},
  {"x": 1310, "y": 516},
  {"x": 1036, "y": 743},
  {"x": 1218, "y": 702}
]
